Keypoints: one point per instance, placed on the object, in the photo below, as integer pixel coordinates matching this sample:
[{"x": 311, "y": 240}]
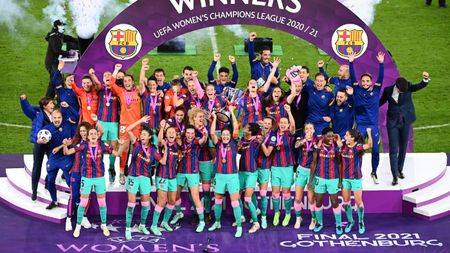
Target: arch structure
[{"x": 329, "y": 25}]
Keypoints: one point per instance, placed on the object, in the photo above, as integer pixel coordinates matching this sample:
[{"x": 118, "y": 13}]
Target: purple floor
[{"x": 384, "y": 233}]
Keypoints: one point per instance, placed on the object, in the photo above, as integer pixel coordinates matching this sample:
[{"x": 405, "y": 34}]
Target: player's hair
[
  {"x": 358, "y": 137},
  {"x": 253, "y": 128},
  {"x": 224, "y": 70},
  {"x": 175, "y": 82},
  {"x": 149, "y": 131},
  {"x": 152, "y": 78},
  {"x": 272, "y": 119},
  {"x": 159, "y": 70},
  {"x": 308, "y": 123},
  {"x": 188, "y": 68},
  {"x": 167, "y": 129},
  {"x": 402, "y": 84},
  {"x": 86, "y": 77},
  {"x": 306, "y": 68},
  {"x": 193, "y": 112},
  {"x": 77, "y": 138},
  {"x": 122, "y": 71},
  {"x": 366, "y": 74},
  {"x": 226, "y": 129},
  {"x": 264, "y": 48},
  {"x": 44, "y": 101},
  {"x": 269, "y": 100},
  {"x": 129, "y": 75},
  {"x": 67, "y": 76},
  {"x": 343, "y": 90},
  {"x": 180, "y": 108},
  {"x": 189, "y": 126},
  {"x": 327, "y": 130},
  {"x": 319, "y": 74},
  {"x": 210, "y": 84}
]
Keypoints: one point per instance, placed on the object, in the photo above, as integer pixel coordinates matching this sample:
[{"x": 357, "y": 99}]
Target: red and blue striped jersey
[
  {"x": 352, "y": 161},
  {"x": 108, "y": 106},
  {"x": 78, "y": 161},
  {"x": 249, "y": 151},
  {"x": 217, "y": 104},
  {"x": 192, "y": 101},
  {"x": 226, "y": 163},
  {"x": 190, "y": 163},
  {"x": 277, "y": 111},
  {"x": 306, "y": 152},
  {"x": 141, "y": 161},
  {"x": 284, "y": 149},
  {"x": 180, "y": 128},
  {"x": 327, "y": 162},
  {"x": 169, "y": 170},
  {"x": 253, "y": 108},
  {"x": 93, "y": 166},
  {"x": 205, "y": 152},
  {"x": 263, "y": 161},
  {"x": 153, "y": 108}
]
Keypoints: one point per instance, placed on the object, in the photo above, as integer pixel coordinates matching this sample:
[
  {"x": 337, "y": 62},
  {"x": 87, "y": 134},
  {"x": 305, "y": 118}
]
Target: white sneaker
[
  {"x": 242, "y": 221},
  {"x": 85, "y": 223},
  {"x": 298, "y": 222},
  {"x": 105, "y": 230},
  {"x": 68, "y": 224},
  {"x": 255, "y": 227},
  {"x": 375, "y": 178},
  {"x": 312, "y": 225},
  {"x": 76, "y": 232}
]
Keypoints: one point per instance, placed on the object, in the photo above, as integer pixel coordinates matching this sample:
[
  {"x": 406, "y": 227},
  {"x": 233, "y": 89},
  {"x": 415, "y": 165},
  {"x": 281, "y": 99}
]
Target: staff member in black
[
  {"x": 55, "y": 39},
  {"x": 400, "y": 116}
]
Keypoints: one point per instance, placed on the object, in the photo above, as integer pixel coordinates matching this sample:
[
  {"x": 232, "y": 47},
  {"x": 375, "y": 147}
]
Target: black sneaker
[
  {"x": 112, "y": 175},
  {"x": 374, "y": 177},
  {"x": 34, "y": 196},
  {"x": 52, "y": 205},
  {"x": 195, "y": 220},
  {"x": 395, "y": 181},
  {"x": 401, "y": 176},
  {"x": 208, "y": 218}
]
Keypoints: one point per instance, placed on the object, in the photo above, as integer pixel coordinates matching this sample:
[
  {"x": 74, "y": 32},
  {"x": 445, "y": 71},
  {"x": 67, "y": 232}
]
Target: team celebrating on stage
[{"x": 189, "y": 133}]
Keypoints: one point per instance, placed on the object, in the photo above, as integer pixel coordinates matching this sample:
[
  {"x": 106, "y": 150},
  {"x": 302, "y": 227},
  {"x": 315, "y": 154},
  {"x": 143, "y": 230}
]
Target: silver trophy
[{"x": 232, "y": 94}]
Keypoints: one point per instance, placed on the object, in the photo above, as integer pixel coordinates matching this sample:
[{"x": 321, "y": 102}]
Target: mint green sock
[
  {"x": 319, "y": 216},
  {"x": 112, "y": 161},
  {"x": 178, "y": 208},
  {"x": 103, "y": 211},
  {"x": 349, "y": 212},
  {"x": 129, "y": 216},
  {"x": 255, "y": 200},
  {"x": 361, "y": 214},
  {"x": 207, "y": 201},
  {"x": 252, "y": 211},
  {"x": 80, "y": 214},
  {"x": 237, "y": 215},
  {"x": 144, "y": 214},
  {"x": 167, "y": 214},
  {"x": 313, "y": 213},
  {"x": 201, "y": 217},
  {"x": 155, "y": 219},
  {"x": 264, "y": 204},
  {"x": 338, "y": 218},
  {"x": 288, "y": 206},
  {"x": 241, "y": 205},
  {"x": 276, "y": 204},
  {"x": 218, "y": 212}
]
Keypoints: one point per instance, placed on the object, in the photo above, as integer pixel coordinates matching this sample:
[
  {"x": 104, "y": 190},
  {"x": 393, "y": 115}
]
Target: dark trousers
[
  {"x": 38, "y": 156},
  {"x": 398, "y": 141},
  {"x": 441, "y": 2},
  {"x": 50, "y": 88}
]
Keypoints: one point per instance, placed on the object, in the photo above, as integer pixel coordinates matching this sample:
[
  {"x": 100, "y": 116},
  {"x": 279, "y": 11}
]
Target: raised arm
[
  {"x": 212, "y": 131},
  {"x": 27, "y": 109},
  {"x": 142, "y": 78},
  {"x": 380, "y": 58},
  {"x": 162, "y": 126},
  {"x": 275, "y": 63},
  {"x": 292, "y": 95},
  {"x": 251, "y": 48},
  {"x": 320, "y": 64},
  {"x": 235, "y": 77},
  {"x": 97, "y": 83},
  {"x": 234, "y": 122},
  {"x": 130, "y": 128},
  {"x": 351, "y": 59},
  {"x": 422, "y": 84},
  {"x": 198, "y": 87},
  {"x": 287, "y": 108},
  {"x": 70, "y": 113},
  {"x": 212, "y": 67}
]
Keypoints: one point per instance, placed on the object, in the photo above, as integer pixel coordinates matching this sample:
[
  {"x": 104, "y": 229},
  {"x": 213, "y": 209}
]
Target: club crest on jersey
[
  {"x": 123, "y": 42},
  {"x": 349, "y": 38}
]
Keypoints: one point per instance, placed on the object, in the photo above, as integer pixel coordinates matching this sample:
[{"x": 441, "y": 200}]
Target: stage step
[
  {"x": 20, "y": 179},
  {"x": 434, "y": 210},
  {"x": 432, "y": 193},
  {"x": 15, "y": 199}
]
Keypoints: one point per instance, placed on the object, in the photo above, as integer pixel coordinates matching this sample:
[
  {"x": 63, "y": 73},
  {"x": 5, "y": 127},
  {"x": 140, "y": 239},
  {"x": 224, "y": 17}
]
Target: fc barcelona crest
[
  {"x": 123, "y": 42},
  {"x": 349, "y": 38}
]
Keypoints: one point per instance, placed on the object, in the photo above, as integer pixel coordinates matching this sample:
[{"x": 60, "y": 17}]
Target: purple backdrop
[{"x": 323, "y": 16}]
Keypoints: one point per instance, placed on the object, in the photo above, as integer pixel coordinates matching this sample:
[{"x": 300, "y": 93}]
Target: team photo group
[{"x": 293, "y": 130}]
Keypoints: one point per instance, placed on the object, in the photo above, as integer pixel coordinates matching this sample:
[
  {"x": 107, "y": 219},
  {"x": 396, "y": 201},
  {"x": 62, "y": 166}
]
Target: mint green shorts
[
  {"x": 140, "y": 183},
  {"x": 283, "y": 176},
  {"x": 97, "y": 182},
  {"x": 247, "y": 179},
  {"x": 111, "y": 130},
  {"x": 226, "y": 182},
  {"x": 191, "y": 179},
  {"x": 303, "y": 177},
  {"x": 206, "y": 170},
  {"x": 263, "y": 176},
  {"x": 352, "y": 184},
  {"x": 326, "y": 185},
  {"x": 165, "y": 184}
]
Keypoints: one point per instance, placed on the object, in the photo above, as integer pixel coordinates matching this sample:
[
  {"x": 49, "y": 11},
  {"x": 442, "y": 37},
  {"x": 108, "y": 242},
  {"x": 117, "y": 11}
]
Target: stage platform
[{"x": 425, "y": 192}]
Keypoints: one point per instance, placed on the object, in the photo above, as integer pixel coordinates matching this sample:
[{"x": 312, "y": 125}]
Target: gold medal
[
  {"x": 60, "y": 129},
  {"x": 341, "y": 110},
  {"x": 256, "y": 113},
  {"x": 107, "y": 103},
  {"x": 89, "y": 107},
  {"x": 224, "y": 161},
  {"x": 278, "y": 148},
  {"x": 129, "y": 107}
]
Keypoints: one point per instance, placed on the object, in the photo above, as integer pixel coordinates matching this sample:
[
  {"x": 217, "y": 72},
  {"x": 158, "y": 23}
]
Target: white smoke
[
  {"x": 238, "y": 31},
  {"x": 55, "y": 10},
  {"x": 365, "y": 10},
  {"x": 12, "y": 13}
]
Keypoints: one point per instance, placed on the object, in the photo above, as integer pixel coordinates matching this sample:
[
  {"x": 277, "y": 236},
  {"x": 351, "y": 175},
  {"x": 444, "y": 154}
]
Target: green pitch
[{"x": 418, "y": 38}]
